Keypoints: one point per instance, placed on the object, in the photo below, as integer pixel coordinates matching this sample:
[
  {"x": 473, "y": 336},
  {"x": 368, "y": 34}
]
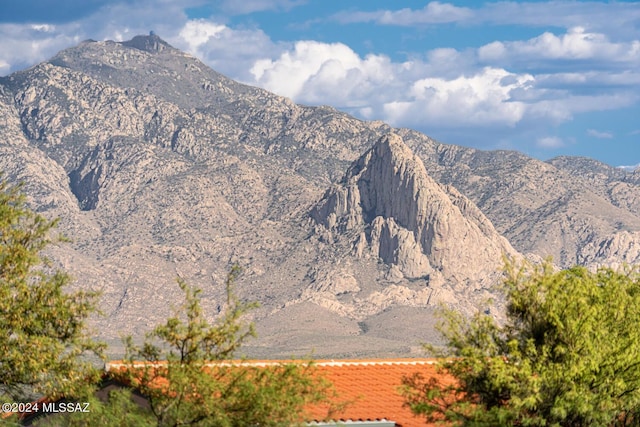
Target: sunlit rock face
[{"x": 387, "y": 199}]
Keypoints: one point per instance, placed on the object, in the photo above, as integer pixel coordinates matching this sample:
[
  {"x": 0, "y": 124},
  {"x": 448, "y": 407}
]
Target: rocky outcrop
[
  {"x": 151, "y": 43},
  {"x": 618, "y": 250},
  {"x": 392, "y": 209}
]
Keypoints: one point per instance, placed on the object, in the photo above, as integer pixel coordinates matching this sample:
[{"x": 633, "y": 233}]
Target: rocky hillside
[{"x": 349, "y": 232}]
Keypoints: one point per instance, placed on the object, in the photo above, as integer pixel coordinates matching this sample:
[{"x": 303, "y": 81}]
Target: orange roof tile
[{"x": 369, "y": 386}]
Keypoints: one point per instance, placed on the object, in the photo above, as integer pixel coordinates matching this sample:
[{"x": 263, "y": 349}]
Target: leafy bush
[{"x": 568, "y": 354}]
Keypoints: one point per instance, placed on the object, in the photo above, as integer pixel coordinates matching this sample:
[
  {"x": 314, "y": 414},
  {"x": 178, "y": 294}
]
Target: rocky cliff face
[
  {"x": 160, "y": 167},
  {"x": 402, "y": 216}
]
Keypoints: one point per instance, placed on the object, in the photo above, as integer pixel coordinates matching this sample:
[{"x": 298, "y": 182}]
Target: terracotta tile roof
[{"x": 370, "y": 386}]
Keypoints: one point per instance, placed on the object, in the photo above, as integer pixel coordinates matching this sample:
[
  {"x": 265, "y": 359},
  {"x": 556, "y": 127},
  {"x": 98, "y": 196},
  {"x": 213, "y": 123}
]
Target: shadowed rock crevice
[
  {"x": 86, "y": 180},
  {"x": 85, "y": 189}
]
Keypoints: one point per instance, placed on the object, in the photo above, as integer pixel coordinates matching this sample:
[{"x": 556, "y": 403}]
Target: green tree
[
  {"x": 567, "y": 355},
  {"x": 42, "y": 324},
  {"x": 179, "y": 369}
]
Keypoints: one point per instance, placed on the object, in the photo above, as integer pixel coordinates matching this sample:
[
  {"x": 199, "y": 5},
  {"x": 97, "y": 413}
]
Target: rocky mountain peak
[
  {"x": 390, "y": 168},
  {"x": 396, "y": 211},
  {"x": 151, "y": 43}
]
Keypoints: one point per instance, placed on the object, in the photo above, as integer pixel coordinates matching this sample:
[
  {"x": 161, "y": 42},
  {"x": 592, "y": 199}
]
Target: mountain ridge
[{"x": 161, "y": 167}]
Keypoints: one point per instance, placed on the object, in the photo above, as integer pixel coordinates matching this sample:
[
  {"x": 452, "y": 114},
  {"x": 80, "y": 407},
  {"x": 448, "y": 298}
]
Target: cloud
[
  {"x": 446, "y": 90},
  {"x": 374, "y": 87},
  {"x": 482, "y": 99},
  {"x": 575, "y": 44},
  {"x": 315, "y": 72},
  {"x": 236, "y": 7},
  {"x": 550, "y": 142},
  {"x": 4, "y": 67},
  {"x": 433, "y": 13},
  {"x": 557, "y": 107},
  {"x": 630, "y": 168},
  {"x": 26, "y": 44},
  {"x": 617, "y": 17},
  {"x": 229, "y": 51},
  {"x": 197, "y": 33},
  {"x": 600, "y": 135},
  {"x": 587, "y": 78}
]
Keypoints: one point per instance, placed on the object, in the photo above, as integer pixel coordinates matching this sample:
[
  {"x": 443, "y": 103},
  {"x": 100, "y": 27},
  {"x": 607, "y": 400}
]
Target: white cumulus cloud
[
  {"x": 26, "y": 44},
  {"x": 230, "y": 51},
  {"x": 598, "y": 134},
  {"x": 433, "y": 13},
  {"x": 630, "y": 168},
  {"x": 446, "y": 90},
  {"x": 482, "y": 99},
  {"x": 197, "y": 33},
  {"x": 404, "y": 94},
  {"x": 550, "y": 142},
  {"x": 314, "y": 72},
  {"x": 576, "y": 44},
  {"x": 44, "y": 28}
]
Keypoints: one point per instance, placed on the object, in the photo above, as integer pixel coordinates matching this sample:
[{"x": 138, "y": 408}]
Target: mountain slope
[{"x": 160, "y": 167}]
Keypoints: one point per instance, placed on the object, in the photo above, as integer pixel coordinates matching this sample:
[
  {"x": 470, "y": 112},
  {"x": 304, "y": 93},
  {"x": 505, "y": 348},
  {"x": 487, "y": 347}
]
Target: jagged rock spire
[{"x": 407, "y": 219}]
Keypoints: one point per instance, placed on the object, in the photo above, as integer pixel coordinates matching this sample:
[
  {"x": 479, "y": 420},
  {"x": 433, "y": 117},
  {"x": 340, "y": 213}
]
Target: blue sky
[{"x": 546, "y": 78}]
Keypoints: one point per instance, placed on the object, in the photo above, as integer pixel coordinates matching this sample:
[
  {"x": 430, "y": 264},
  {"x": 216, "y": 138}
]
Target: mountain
[
  {"x": 349, "y": 232},
  {"x": 403, "y": 217}
]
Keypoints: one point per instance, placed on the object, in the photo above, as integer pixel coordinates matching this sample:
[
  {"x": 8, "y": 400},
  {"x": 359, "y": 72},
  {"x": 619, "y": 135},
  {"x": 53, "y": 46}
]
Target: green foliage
[
  {"x": 178, "y": 368},
  {"x": 42, "y": 325},
  {"x": 568, "y": 354},
  {"x": 119, "y": 410}
]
